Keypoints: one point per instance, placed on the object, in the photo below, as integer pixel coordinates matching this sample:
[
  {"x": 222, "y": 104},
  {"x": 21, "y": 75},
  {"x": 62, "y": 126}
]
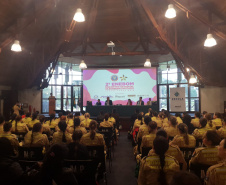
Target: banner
[{"x": 177, "y": 99}]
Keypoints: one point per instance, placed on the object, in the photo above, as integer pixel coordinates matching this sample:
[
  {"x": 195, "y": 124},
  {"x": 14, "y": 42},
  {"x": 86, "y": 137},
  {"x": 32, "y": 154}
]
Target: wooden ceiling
[{"x": 138, "y": 28}]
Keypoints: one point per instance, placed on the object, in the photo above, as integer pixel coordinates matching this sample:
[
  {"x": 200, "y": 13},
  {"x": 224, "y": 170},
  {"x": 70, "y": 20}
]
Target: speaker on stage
[{"x": 89, "y": 103}]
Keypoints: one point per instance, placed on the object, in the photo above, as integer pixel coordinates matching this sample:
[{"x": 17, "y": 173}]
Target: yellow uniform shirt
[
  {"x": 13, "y": 139},
  {"x": 195, "y": 122},
  {"x": 209, "y": 127},
  {"x": 85, "y": 123},
  {"x": 71, "y": 130},
  {"x": 111, "y": 120},
  {"x": 21, "y": 127},
  {"x": 1, "y": 129},
  {"x": 166, "y": 124},
  {"x": 216, "y": 174},
  {"x": 150, "y": 167},
  {"x": 147, "y": 114},
  {"x": 171, "y": 131},
  {"x": 82, "y": 118},
  {"x": 45, "y": 127},
  {"x": 52, "y": 124},
  {"x": 165, "y": 120},
  {"x": 179, "y": 120},
  {"x": 222, "y": 132},
  {"x": 179, "y": 141},
  {"x": 98, "y": 140},
  {"x": 31, "y": 123},
  {"x": 159, "y": 122},
  {"x": 137, "y": 124},
  {"x": 143, "y": 130},
  {"x": 26, "y": 120},
  {"x": 106, "y": 124},
  {"x": 57, "y": 138},
  {"x": 199, "y": 133},
  {"x": 154, "y": 118},
  {"x": 70, "y": 123},
  {"x": 205, "y": 155},
  {"x": 37, "y": 138},
  {"x": 217, "y": 122},
  {"x": 147, "y": 141}
]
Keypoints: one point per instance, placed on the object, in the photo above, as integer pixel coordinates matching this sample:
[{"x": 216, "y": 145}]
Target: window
[
  {"x": 170, "y": 76},
  {"x": 65, "y": 85}
]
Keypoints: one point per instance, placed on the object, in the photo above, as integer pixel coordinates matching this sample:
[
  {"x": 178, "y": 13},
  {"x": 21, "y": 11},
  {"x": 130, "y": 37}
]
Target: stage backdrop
[
  {"x": 177, "y": 99},
  {"x": 120, "y": 85}
]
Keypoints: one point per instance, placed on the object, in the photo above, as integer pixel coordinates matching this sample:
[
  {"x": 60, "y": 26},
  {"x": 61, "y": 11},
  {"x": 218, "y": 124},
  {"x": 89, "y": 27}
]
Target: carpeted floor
[{"x": 123, "y": 163}]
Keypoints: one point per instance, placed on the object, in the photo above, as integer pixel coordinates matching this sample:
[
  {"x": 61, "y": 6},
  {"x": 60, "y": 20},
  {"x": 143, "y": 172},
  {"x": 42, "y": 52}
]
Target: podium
[{"x": 52, "y": 104}]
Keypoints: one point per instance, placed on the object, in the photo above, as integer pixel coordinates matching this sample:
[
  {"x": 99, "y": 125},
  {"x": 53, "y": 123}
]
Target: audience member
[
  {"x": 201, "y": 131},
  {"x": 18, "y": 126},
  {"x": 33, "y": 121},
  {"x": 217, "y": 120},
  {"x": 106, "y": 123},
  {"x": 86, "y": 122},
  {"x": 187, "y": 121},
  {"x": 195, "y": 121},
  {"x": 210, "y": 124},
  {"x": 178, "y": 116},
  {"x": 222, "y": 130},
  {"x": 172, "y": 130}
]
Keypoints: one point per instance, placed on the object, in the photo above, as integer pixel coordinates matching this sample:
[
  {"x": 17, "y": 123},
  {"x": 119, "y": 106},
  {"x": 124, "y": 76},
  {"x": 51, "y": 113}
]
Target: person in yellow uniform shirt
[
  {"x": 17, "y": 108},
  {"x": 144, "y": 130},
  {"x": 2, "y": 122},
  {"x": 178, "y": 116},
  {"x": 222, "y": 130},
  {"x": 70, "y": 120},
  {"x": 82, "y": 117},
  {"x": 147, "y": 140},
  {"x": 13, "y": 139},
  {"x": 60, "y": 114},
  {"x": 138, "y": 122},
  {"x": 77, "y": 126},
  {"x": 216, "y": 174},
  {"x": 149, "y": 113},
  {"x": 35, "y": 137},
  {"x": 154, "y": 116},
  {"x": 172, "y": 130},
  {"x": 210, "y": 124},
  {"x": 52, "y": 121},
  {"x": 106, "y": 123},
  {"x": 45, "y": 126},
  {"x": 159, "y": 120},
  {"x": 27, "y": 119},
  {"x": 217, "y": 120},
  {"x": 173, "y": 150},
  {"x": 18, "y": 126},
  {"x": 62, "y": 136},
  {"x": 111, "y": 119},
  {"x": 33, "y": 121},
  {"x": 86, "y": 121},
  {"x": 195, "y": 121},
  {"x": 183, "y": 139},
  {"x": 201, "y": 131},
  {"x": 158, "y": 168},
  {"x": 206, "y": 155},
  {"x": 92, "y": 138}
]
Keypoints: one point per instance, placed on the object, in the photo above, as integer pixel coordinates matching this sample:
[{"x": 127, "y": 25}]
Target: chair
[
  {"x": 20, "y": 135},
  {"x": 187, "y": 152},
  {"x": 199, "y": 143},
  {"x": 145, "y": 151},
  {"x": 97, "y": 154},
  {"x": 199, "y": 170},
  {"x": 30, "y": 153},
  {"x": 85, "y": 171},
  {"x": 27, "y": 164}
]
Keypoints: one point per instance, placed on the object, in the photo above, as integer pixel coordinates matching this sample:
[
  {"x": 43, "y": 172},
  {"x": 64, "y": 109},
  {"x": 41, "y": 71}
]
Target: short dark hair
[
  {"x": 197, "y": 114},
  {"x": 7, "y": 126},
  {"x": 211, "y": 135}
]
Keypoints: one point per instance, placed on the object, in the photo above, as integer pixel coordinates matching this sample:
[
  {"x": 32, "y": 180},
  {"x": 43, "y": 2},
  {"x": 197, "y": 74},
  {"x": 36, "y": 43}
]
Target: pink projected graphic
[{"x": 120, "y": 85}]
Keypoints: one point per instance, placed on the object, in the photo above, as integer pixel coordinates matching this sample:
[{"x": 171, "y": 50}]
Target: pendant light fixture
[
  {"x": 170, "y": 12},
  {"x": 82, "y": 65},
  {"x": 187, "y": 69},
  {"x": 192, "y": 80},
  {"x": 16, "y": 46},
  {"x": 147, "y": 63},
  {"x": 79, "y": 17},
  {"x": 210, "y": 41}
]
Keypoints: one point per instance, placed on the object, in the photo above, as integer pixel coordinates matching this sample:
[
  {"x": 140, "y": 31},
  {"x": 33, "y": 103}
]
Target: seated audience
[
  {"x": 33, "y": 121},
  {"x": 62, "y": 136},
  {"x": 77, "y": 151},
  {"x": 144, "y": 130},
  {"x": 159, "y": 120},
  {"x": 178, "y": 116},
  {"x": 210, "y": 124},
  {"x": 149, "y": 113},
  {"x": 18, "y": 126},
  {"x": 195, "y": 121},
  {"x": 45, "y": 126},
  {"x": 100, "y": 117},
  {"x": 52, "y": 121},
  {"x": 86, "y": 121},
  {"x": 157, "y": 168},
  {"x": 187, "y": 121},
  {"x": 82, "y": 117},
  {"x": 216, "y": 174},
  {"x": 201, "y": 131},
  {"x": 222, "y": 130},
  {"x": 183, "y": 139},
  {"x": 111, "y": 119},
  {"x": 70, "y": 121},
  {"x": 27, "y": 119},
  {"x": 172, "y": 130},
  {"x": 217, "y": 120},
  {"x": 60, "y": 114},
  {"x": 35, "y": 137},
  {"x": 106, "y": 122},
  {"x": 76, "y": 126},
  {"x": 138, "y": 122}
]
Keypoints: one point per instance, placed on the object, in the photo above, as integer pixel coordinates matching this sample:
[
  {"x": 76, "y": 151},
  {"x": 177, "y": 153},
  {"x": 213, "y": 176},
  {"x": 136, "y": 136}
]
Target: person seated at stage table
[
  {"x": 18, "y": 126},
  {"x": 210, "y": 124},
  {"x": 98, "y": 102},
  {"x": 76, "y": 126},
  {"x": 201, "y": 131},
  {"x": 140, "y": 101},
  {"x": 149, "y": 102},
  {"x": 195, "y": 121},
  {"x": 172, "y": 130},
  {"x": 183, "y": 139},
  {"x": 2, "y": 122},
  {"x": 108, "y": 101},
  {"x": 33, "y": 121},
  {"x": 222, "y": 131},
  {"x": 217, "y": 120},
  {"x": 106, "y": 122},
  {"x": 129, "y": 102},
  {"x": 27, "y": 119},
  {"x": 216, "y": 174},
  {"x": 86, "y": 122}
]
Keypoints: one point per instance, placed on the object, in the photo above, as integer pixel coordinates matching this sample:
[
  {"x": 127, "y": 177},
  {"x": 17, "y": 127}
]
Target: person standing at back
[{"x": 17, "y": 108}]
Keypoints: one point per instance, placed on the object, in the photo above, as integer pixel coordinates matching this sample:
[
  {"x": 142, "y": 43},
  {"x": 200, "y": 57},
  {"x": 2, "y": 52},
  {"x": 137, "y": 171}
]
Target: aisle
[{"x": 123, "y": 163}]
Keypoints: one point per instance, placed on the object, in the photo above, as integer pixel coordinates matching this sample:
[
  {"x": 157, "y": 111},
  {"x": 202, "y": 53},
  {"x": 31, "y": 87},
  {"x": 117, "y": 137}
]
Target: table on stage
[{"x": 123, "y": 110}]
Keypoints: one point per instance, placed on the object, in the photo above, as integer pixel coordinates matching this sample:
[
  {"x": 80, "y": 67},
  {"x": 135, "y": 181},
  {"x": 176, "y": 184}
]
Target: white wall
[
  {"x": 212, "y": 99},
  {"x": 32, "y": 97}
]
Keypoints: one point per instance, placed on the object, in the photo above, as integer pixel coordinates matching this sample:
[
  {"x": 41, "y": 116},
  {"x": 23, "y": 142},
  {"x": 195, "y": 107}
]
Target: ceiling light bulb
[
  {"x": 187, "y": 69},
  {"x": 170, "y": 12},
  {"x": 82, "y": 65},
  {"x": 16, "y": 46},
  {"x": 147, "y": 63},
  {"x": 210, "y": 41},
  {"x": 79, "y": 17},
  {"x": 192, "y": 80}
]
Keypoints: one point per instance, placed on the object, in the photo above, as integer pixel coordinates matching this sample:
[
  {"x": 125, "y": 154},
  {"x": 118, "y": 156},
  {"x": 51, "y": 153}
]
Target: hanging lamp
[
  {"x": 16, "y": 46},
  {"x": 170, "y": 12},
  {"x": 210, "y": 41},
  {"x": 82, "y": 65},
  {"x": 147, "y": 63},
  {"x": 79, "y": 17},
  {"x": 192, "y": 80}
]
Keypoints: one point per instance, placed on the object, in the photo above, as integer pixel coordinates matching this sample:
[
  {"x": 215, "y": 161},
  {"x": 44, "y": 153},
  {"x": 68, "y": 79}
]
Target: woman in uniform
[
  {"x": 138, "y": 122},
  {"x": 70, "y": 121},
  {"x": 27, "y": 119},
  {"x": 201, "y": 131},
  {"x": 86, "y": 121},
  {"x": 210, "y": 124},
  {"x": 76, "y": 126},
  {"x": 183, "y": 139},
  {"x": 18, "y": 126},
  {"x": 195, "y": 121},
  {"x": 217, "y": 120},
  {"x": 144, "y": 130},
  {"x": 158, "y": 168},
  {"x": 187, "y": 121},
  {"x": 172, "y": 129},
  {"x": 62, "y": 136},
  {"x": 178, "y": 116},
  {"x": 45, "y": 126},
  {"x": 222, "y": 130},
  {"x": 106, "y": 123},
  {"x": 35, "y": 137},
  {"x": 52, "y": 121},
  {"x": 216, "y": 174},
  {"x": 33, "y": 121}
]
